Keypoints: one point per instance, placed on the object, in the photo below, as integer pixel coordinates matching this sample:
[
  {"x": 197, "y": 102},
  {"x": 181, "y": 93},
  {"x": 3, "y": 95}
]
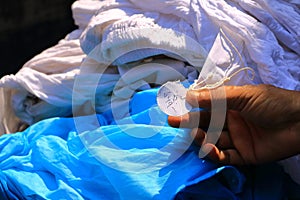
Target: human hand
[{"x": 262, "y": 124}]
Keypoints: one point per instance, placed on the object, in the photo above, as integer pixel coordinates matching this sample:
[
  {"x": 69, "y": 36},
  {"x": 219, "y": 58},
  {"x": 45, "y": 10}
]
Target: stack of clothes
[{"x": 84, "y": 116}]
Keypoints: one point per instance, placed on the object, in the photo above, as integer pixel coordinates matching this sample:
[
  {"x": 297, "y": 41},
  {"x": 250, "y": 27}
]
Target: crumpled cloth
[
  {"x": 261, "y": 48},
  {"x": 269, "y": 46},
  {"x": 52, "y": 159},
  {"x": 265, "y": 33}
]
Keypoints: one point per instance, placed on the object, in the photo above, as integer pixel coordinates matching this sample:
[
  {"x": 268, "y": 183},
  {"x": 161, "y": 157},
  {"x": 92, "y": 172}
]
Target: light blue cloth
[{"x": 118, "y": 160}]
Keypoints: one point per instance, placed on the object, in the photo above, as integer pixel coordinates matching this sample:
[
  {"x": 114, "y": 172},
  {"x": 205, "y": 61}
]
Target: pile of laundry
[{"x": 83, "y": 114}]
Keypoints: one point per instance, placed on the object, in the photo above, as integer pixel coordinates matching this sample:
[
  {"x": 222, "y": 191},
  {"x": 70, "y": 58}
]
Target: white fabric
[
  {"x": 271, "y": 17},
  {"x": 63, "y": 57},
  {"x": 121, "y": 28},
  {"x": 125, "y": 32},
  {"x": 83, "y": 11},
  {"x": 262, "y": 50}
]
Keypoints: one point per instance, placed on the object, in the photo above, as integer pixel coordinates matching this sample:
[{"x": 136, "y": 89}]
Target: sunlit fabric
[{"x": 137, "y": 160}]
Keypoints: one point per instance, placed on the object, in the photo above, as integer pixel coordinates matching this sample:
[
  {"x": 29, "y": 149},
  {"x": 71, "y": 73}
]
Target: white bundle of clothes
[{"x": 163, "y": 40}]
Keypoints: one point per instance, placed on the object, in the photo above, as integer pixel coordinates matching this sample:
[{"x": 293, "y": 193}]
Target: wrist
[
  {"x": 290, "y": 102},
  {"x": 295, "y": 116},
  {"x": 295, "y": 130},
  {"x": 295, "y": 106}
]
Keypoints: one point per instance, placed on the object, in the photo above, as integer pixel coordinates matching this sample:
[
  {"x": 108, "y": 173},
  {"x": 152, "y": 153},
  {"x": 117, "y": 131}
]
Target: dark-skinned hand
[{"x": 262, "y": 124}]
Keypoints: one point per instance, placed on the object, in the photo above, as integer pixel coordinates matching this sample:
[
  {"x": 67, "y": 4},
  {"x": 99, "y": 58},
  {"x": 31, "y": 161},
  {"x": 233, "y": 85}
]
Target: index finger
[{"x": 236, "y": 97}]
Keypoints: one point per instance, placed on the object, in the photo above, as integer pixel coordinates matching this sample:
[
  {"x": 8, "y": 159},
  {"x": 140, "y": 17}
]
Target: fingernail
[
  {"x": 174, "y": 121},
  {"x": 205, "y": 149}
]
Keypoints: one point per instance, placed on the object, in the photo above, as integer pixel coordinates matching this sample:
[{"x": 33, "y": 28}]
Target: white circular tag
[{"x": 171, "y": 99}]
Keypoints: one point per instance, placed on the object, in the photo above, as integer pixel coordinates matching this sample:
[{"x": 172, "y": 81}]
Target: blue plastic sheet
[{"x": 135, "y": 158}]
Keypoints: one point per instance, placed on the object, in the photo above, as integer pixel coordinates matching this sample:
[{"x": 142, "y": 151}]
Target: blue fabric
[{"x": 133, "y": 158}]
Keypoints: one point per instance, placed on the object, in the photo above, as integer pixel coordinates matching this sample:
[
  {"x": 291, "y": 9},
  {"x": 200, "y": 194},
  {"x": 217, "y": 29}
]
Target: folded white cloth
[
  {"x": 145, "y": 33},
  {"x": 201, "y": 21},
  {"x": 83, "y": 11},
  {"x": 281, "y": 18},
  {"x": 65, "y": 56},
  {"x": 25, "y": 95}
]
